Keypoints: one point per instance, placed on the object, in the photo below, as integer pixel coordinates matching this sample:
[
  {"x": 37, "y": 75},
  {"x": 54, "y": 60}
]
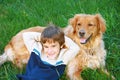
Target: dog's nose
[{"x": 81, "y": 33}]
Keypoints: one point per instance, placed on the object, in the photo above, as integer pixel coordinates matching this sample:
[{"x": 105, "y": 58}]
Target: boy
[{"x": 50, "y": 51}]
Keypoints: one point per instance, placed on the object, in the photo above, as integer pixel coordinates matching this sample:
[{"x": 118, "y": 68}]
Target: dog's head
[{"x": 87, "y": 27}]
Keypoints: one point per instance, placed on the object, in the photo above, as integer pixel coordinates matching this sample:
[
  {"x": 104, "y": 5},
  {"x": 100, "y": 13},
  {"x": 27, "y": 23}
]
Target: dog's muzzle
[{"x": 83, "y": 40}]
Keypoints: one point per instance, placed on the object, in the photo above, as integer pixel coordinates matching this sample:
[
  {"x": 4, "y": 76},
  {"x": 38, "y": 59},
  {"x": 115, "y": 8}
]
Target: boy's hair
[{"x": 52, "y": 34}]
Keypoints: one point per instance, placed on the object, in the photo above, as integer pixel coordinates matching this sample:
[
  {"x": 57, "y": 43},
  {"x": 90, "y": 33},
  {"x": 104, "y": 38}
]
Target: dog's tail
[
  {"x": 3, "y": 58},
  {"x": 7, "y": 55}
]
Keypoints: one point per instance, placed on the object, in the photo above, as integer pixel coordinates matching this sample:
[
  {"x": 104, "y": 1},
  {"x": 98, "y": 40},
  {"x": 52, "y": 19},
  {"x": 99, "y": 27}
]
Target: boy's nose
[{"x": 49, "y": 50}]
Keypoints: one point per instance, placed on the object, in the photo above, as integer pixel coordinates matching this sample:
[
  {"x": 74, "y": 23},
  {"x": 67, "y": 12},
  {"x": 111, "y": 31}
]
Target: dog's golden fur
[
  {"x": 87, "y": 31},
  {"x": 15, "y": 51}
]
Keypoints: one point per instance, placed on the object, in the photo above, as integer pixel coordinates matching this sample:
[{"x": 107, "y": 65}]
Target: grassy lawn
[{"x": 16, "y": 15}]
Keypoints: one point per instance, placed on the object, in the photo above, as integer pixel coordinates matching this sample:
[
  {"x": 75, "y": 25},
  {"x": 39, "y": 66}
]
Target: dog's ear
[
  {"x": 101, "y": 23},
  {"x": 73, "y": 22}
]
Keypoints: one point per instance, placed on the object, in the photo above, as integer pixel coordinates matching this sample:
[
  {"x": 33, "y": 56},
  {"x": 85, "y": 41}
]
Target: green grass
[{"x": 16, "y": 15}]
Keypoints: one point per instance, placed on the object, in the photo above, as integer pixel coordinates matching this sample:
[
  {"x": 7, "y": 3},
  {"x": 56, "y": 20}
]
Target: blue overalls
[{"x": 36, "y": 69}]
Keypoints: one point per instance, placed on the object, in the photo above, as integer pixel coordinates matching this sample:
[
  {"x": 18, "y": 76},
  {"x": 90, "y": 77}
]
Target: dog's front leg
[{"x": 74, "y": 71}]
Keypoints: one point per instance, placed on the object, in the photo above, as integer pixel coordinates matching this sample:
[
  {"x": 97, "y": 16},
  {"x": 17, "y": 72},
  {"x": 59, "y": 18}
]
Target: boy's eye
[
  {"x": 53, "y": 45},
  {"x": 45, "y": 46}
]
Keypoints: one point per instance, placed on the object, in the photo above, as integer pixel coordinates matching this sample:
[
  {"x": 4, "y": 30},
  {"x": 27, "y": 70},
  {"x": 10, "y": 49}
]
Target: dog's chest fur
[
  {"x": 90, "y": 51},
  {"x": 94, "y": 55}
]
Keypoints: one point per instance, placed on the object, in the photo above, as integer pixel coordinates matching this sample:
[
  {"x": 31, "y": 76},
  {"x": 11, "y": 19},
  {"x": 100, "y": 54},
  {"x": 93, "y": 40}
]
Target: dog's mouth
[{"x": 85, "y": 40}]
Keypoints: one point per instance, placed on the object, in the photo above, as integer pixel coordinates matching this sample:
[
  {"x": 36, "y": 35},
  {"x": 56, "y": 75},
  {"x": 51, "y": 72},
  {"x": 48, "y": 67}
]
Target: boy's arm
[
  {"x": 32, "y": 40},
  {"x": 73, "y": 50}
]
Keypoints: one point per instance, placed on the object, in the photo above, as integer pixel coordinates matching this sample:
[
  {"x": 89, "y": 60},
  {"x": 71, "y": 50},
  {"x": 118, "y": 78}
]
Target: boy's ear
[{"x": 63, "y": 46}]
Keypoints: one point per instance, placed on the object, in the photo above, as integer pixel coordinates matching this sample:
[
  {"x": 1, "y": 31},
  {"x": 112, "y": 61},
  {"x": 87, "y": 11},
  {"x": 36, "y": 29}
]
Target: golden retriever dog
[
  {"x": 87, "y": 31},
  {"x": 15, "y": 51}
]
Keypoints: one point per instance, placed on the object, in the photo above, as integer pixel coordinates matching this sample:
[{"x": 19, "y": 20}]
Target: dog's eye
[
  {"x": 90, "y": 24},
  {"x": 79, "y": 24}
]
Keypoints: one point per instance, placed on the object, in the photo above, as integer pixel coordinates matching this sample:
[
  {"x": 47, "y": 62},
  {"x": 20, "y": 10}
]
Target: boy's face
[{"x": 51, "y": 49}]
